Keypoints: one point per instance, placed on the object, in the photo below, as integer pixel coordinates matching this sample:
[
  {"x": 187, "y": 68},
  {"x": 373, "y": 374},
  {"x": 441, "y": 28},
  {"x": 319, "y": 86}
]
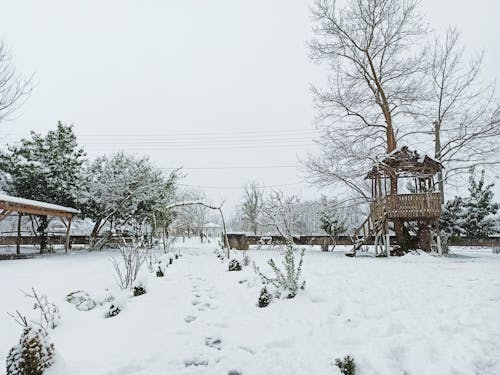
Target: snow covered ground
[{"x": 417, "y": 314}]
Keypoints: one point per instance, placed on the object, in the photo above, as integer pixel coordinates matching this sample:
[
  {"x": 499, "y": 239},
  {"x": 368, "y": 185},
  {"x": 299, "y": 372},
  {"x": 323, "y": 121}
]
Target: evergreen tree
[
  {"x": 479, "y": 209},
  {"x": 452, "y": 218},
  {"x": 330, "y": 220},
  {"x": 472, "y": 216},
  {"x": 45, "y": 168}
]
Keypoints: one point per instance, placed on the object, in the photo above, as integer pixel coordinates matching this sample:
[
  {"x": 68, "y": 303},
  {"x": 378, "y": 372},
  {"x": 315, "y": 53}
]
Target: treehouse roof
[{"x": 403, "y": 162}]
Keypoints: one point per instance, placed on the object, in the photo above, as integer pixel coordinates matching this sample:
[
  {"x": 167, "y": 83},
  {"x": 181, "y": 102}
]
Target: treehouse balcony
[{"x": 407, "y": 206}]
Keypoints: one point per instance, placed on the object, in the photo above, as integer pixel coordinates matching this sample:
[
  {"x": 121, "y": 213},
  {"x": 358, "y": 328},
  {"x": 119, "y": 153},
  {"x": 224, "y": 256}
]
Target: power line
[
  {"x": 237, "y": 187},
  {"x": 236, "y": 167}
]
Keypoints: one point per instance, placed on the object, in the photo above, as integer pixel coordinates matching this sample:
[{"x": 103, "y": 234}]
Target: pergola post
[
  {"x": 66, "y": 243},
  {"x": 18, "y": 239}
]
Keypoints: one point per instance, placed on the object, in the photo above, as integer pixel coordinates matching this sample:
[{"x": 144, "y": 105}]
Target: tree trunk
[
  {"x": 94, "y": 234},
  {"x": 42, "y": 230},
  {"x": 424, "y": 236}
]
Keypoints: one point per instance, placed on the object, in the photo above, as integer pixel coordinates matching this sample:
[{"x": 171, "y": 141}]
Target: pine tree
[
  {"x": 330, "y": 220},
  {"x": 472, "y": 216},
  {"x": 479, "y": 209},
  {"x": 45, "y": 168}
]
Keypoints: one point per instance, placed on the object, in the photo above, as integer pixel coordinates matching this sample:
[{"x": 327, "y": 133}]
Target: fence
[{"x": 242, "y": 241}]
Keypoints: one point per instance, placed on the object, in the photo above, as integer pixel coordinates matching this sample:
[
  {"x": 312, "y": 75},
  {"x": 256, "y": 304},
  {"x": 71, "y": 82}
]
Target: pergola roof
[
  {"x": 27, "y": 206},
  {"x": 405, "y": 163}
]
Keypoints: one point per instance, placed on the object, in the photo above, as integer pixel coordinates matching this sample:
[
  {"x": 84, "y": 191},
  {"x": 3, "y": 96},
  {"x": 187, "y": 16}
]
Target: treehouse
[{"x": 403, "y": 193}]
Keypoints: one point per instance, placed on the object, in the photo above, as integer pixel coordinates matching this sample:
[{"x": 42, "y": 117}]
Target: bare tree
[
  {"x": 465, "y": 119},
  {"x": 252, "y": 205},
  {"x": 376, "y": 73},
  {"x": 373, "y": 84},
  {"x": 279, "y": 212},
  {"x": 14, "y": 90}
]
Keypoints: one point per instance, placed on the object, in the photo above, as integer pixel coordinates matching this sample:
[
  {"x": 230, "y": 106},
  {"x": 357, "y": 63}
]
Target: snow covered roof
[
  {"x": 33, "y": 207},
  {"x": 211, "y": 225},
  {"x": 405, "y": 162}
]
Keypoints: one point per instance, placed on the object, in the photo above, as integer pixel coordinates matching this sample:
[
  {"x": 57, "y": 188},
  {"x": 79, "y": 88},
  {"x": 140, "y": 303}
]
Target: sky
[{"x": 221, "y": 88}]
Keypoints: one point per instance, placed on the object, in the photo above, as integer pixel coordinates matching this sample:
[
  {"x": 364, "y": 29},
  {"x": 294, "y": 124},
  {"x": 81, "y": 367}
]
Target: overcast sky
[{"x": 212, "y": 86}]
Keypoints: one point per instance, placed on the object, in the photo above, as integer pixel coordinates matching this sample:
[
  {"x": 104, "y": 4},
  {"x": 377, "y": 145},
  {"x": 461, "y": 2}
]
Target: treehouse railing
[{"x": 408, "y": 206}]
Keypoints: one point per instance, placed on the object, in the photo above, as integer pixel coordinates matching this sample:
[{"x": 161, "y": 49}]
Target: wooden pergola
[{"x": 22, "y": 206}]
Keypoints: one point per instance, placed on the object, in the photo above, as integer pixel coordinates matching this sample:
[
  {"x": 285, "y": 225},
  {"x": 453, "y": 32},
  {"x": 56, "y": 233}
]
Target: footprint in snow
[
  {"x": 190, "y": 318},
  {"x": 214, "y": 342}
]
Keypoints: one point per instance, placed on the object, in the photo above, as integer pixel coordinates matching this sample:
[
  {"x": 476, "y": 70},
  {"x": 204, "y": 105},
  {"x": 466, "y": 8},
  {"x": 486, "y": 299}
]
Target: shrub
[
  {"x": 139, "y": 291},
  {"x": 286, "y": 282},
  {"x": 113, "y": 311},
  {"x": 49, "y": 312},
  {"x": 159, "y": 272},
  {"x": 346, "y": 365},
  {"x": 234, "y": 265},
  {"x": 131, "y": 262},
  {"x": 246, "y": 260},
  {"x": 33, "y": 354},
  {"x": 264, "y": 298}
]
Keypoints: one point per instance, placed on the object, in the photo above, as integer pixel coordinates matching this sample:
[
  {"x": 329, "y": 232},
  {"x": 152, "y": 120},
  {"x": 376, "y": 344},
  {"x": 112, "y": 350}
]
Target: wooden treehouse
[{"x": 403, "y": 191}]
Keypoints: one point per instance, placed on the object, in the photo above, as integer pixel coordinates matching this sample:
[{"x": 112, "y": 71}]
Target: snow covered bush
[
  {"x": 246, "y": 259},
  {"x": 112, "y": 311},
  {"x": 140, "y": 286},
  {"x": 49, "y": 312},
  {"x": 234, "y": 265},
  {"x": 287, "y": 281},
  {"x": 159, "y": 271},
  {"x": 264, "y": 298},
  {"x": 127, "y": 266},
  {"x": 33, "y": 354},
  {"x": 346, "y": 365}
]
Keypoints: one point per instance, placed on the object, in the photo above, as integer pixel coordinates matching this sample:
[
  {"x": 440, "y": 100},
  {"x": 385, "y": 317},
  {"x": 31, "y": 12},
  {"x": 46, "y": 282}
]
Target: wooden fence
[{"x": 242, "y": 241}]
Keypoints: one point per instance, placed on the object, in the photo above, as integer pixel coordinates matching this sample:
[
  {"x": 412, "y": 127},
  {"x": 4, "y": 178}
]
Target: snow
[
  {"x": 418, "y": 314},
  {"x": 29, "y": 202}
]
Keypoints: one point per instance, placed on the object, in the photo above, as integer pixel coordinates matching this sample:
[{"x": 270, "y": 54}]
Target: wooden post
[
  {"x": 387, "y": 239},
  {"x": 66, "y": 244},
  {"x": 18, "y": 239}
]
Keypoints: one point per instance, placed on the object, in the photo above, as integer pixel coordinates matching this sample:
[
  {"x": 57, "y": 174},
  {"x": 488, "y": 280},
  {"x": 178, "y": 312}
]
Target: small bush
[
  {"x": 264, "y": 298},
  {"x": 287, "y": 281},
  {"x": 139, "y": 290},
  {"x": 113, "y": 311},
  {"x": 159, "y": 272},
  {"x": 49, "y": 312},
  {"x": 246, "y": 260},
  {"x": 234, "y": 265},
  {"x": 32, "y": 355},
  {"x": 346, "y": 365}
]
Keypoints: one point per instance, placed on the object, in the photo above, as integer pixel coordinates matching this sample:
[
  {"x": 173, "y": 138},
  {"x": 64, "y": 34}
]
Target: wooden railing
[{"x": 408, "y": 206}]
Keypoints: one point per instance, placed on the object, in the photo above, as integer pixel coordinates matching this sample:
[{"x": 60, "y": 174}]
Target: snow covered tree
[
  {"x": 278, "y": 209},
  {"x": 124, "y": 189},
  {"x": 45, "y": 168},
  {"x": 472, "y": 216},
  {"x": 252, "y": 205},
  {"x": 452, "y": 218},
  {"x": 479, "y": 209},
  {"x": 330, "y": 220}
]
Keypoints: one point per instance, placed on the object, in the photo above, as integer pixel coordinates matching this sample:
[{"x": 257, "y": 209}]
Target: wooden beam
[
  {"x": 33, "y": 210},
  {"x": 4, "y": 214}
]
